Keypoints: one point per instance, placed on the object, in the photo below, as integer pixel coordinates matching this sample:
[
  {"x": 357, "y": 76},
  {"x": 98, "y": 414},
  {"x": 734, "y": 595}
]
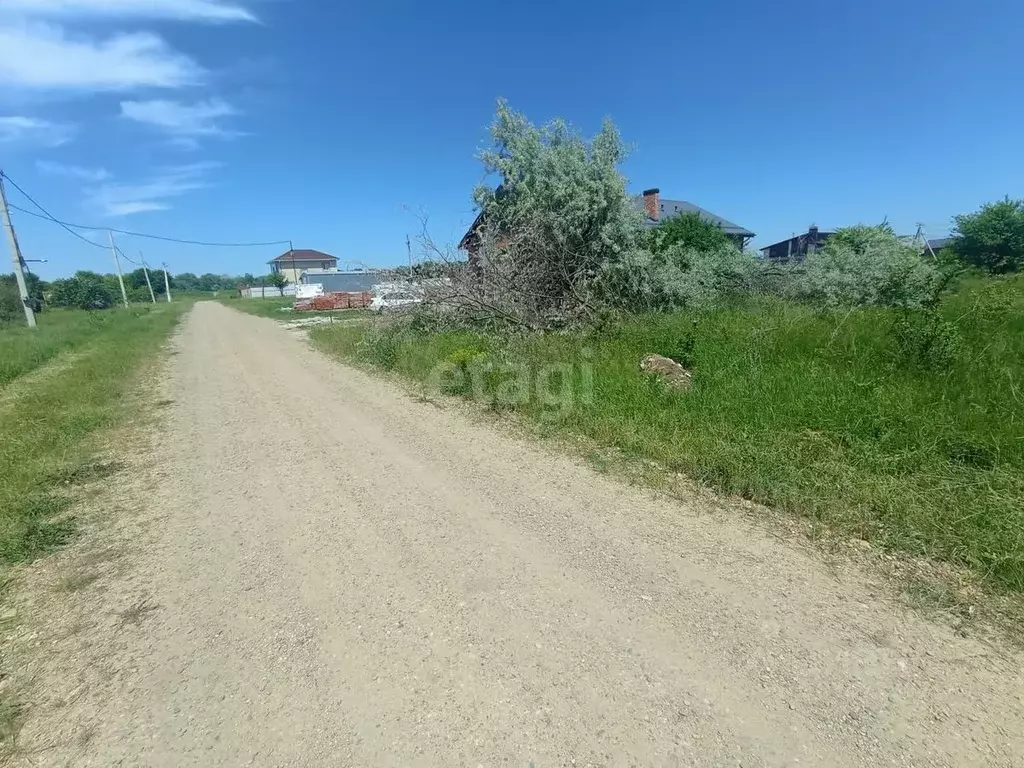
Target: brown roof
[{"x": 305, "y": 254}]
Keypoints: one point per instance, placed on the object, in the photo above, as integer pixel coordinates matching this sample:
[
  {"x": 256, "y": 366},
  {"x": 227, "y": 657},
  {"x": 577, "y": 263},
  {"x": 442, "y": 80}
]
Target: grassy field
[
  {"x": 905, "y": 431},
  {"x": 52, "y": 403}
]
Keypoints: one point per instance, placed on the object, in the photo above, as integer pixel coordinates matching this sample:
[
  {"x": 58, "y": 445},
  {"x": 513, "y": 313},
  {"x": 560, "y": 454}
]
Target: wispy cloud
[
  {"x": 73, "y": 171},
  {"x": 191, "y": 10},
  {"x": 183, "y": 121},
  {"x": 21, "y": 129},
  {"x": 118, "y": 199},
  {"x": 43, "y": 56}
]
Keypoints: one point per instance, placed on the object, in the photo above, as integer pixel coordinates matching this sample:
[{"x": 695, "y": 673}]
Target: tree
[
  {"x": 558, "y": 214},
  {"x": 186, "y": 281},
  {"x": 993, "y": 237},
  {"x": 277, "y": 280},
  {"x": 85, "y": 290},
  {"x": 10, "y": 300},
  {"x": 689, "y": 231}
]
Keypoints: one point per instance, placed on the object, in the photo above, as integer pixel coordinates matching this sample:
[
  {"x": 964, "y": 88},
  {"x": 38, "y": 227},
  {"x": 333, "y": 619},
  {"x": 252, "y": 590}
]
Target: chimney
[
  {"x": 652, "y": 204},
  {"x": 813, "y": 230}
]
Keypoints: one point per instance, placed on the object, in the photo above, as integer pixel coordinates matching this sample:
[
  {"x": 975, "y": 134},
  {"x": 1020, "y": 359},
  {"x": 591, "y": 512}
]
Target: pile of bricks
[{"x": 332, "y": 301}]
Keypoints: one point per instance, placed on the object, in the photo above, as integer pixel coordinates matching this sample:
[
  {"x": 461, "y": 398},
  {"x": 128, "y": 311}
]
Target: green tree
[
  {"x": 85, "y": 290},
  {"x": 993, "y": 237},
  {"x": 688, "y": 231},
  {"x": 186, "y": 281},
  {"x": 559, "y": 212},
  {"x": 276, "y": 280}
]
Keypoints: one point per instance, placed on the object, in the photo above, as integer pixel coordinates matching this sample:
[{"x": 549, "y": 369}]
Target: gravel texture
[{"x": 337, "y": 573}]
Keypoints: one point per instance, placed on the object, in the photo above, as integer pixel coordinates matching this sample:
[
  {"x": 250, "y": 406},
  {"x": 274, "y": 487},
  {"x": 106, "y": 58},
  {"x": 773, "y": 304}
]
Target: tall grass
[
  {"x": 24, "y": 349},
  {"x": 905, "y": 430},
  {"x": 46, "y": 421}
]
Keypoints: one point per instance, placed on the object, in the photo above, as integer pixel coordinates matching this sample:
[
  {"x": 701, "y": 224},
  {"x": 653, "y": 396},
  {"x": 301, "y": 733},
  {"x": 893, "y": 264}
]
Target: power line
[
  {"x": 47, "y": 214},
  {"x": 71, "y": 227}
]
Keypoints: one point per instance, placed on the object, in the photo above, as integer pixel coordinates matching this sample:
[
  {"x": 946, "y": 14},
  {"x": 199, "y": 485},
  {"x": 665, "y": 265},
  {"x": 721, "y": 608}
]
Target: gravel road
[{"x": 346, "y": 575}]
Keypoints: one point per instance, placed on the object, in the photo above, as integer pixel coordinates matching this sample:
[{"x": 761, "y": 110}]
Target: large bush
[
  {"x": 992, "y": 238},
  {"x": 86, "y": 290},
  {"x": 559, "y": 213},
  {"x": 866, "y": 266},
  {"x": 677, "y": 277}
]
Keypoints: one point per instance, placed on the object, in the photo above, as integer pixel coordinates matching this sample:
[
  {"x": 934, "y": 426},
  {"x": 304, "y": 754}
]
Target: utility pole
[
  {"x": 16, "y": 260},
  {"x": 117, "y": 262},
  {"x": 145, "y": 271},
  {"x": 408, "y": 250},
  {"x": 167, "y": 285}
]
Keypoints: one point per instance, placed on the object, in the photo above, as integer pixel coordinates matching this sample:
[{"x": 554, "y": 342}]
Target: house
[
  {"x": 797, "y": 247},
  {"x": 933, "y": 246},
  {"x": 657, "y": 210},
  {"x": 348, "y": 281},
  {"x": 293, "y": 263}
]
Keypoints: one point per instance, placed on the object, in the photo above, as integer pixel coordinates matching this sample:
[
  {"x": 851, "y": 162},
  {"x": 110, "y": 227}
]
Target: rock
[{"x": 670, "y": 372}]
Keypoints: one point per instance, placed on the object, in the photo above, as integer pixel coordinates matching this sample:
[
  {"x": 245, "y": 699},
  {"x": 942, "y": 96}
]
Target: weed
[
  {"x": 12, "y": 711},
  {"x": 137, "y": 612}
]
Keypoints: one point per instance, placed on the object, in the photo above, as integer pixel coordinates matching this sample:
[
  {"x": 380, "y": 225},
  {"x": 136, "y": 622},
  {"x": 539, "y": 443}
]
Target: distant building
[
  {"x": 657, "y": 210},
  {"x": 293, "y": 263},
  {"x": 797, "y": 247},
  {"x": 333, "y": 281},
  {"x": 936, "y": 244}
]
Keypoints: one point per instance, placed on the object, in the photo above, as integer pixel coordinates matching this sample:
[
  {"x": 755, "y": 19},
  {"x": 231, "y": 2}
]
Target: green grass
[
  {"x": 46, "y": 419},
  {"x": 23, "y": 349},
  {"x": 916, "y": 446}
]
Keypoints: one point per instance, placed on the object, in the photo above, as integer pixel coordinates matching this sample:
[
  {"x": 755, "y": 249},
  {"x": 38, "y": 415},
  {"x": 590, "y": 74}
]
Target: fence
[{"x": 267, "y": 292}]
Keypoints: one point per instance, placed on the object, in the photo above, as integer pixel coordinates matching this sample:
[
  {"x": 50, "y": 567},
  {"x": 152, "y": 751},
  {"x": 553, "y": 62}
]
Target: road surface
[{"x": 346, "y": 575}]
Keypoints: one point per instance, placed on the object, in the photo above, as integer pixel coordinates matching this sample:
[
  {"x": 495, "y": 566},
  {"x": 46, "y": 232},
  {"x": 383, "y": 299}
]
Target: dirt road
[{"x": 342, "y": 574}]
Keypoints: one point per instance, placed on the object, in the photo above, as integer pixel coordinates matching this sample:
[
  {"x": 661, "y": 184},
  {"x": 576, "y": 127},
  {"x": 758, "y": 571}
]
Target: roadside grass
[
  {"x": 23, "y": 349},
  {"x": 45, "y": 449},
  {"x": 905, "y": 431}
]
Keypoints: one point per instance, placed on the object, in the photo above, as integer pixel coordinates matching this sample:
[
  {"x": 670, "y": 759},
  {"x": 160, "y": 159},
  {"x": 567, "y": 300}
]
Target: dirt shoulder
[{"x": 313, "y": 568}]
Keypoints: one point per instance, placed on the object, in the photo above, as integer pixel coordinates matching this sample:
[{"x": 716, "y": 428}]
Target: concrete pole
[
  {"x": 117, "y": 262},
  {"x": 145, "y": 271},
  {"x": 16, "y": 260}
]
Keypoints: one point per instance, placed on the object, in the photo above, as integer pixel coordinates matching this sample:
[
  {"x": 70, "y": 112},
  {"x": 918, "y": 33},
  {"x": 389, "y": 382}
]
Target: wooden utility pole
[
  {"x": 167, "y": 284},
  {"x": 117, "y": 262},
  {"x": 16, "y": 260},
  {"x": 145, "y": 271}
]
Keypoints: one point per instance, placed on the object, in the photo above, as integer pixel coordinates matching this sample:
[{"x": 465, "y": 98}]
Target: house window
[{"x": 325, "y": 265}]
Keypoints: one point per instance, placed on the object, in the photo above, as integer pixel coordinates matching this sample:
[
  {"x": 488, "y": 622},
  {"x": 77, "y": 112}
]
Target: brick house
[{"x": 657, "y": 209}]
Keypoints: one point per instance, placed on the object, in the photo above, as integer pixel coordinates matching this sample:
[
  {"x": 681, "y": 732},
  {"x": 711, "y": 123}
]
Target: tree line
[{"x": 92, "y": 290}]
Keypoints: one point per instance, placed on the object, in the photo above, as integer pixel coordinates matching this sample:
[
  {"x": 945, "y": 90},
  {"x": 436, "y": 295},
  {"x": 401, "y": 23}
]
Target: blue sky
[{"x": 333, "y": 123}]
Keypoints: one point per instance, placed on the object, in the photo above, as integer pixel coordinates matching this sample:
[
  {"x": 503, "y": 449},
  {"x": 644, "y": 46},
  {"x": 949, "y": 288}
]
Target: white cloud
[
  {"x": 116, "y": 199},
  {"x": 74, "y": 171},
  {"x": 184, "y": 121},
  {"x": 191, "y": 10},
  {"x": 43, "y": 56},
  {"x": 18, "y": 128}
]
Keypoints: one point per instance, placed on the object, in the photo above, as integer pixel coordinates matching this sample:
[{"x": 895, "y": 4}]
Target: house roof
[
  {"x": 672, "y": 208},
  {"x": 938, "y": 243},
  {"x": 303, "y": 254},
  {"x": 822, "y": 233}
]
